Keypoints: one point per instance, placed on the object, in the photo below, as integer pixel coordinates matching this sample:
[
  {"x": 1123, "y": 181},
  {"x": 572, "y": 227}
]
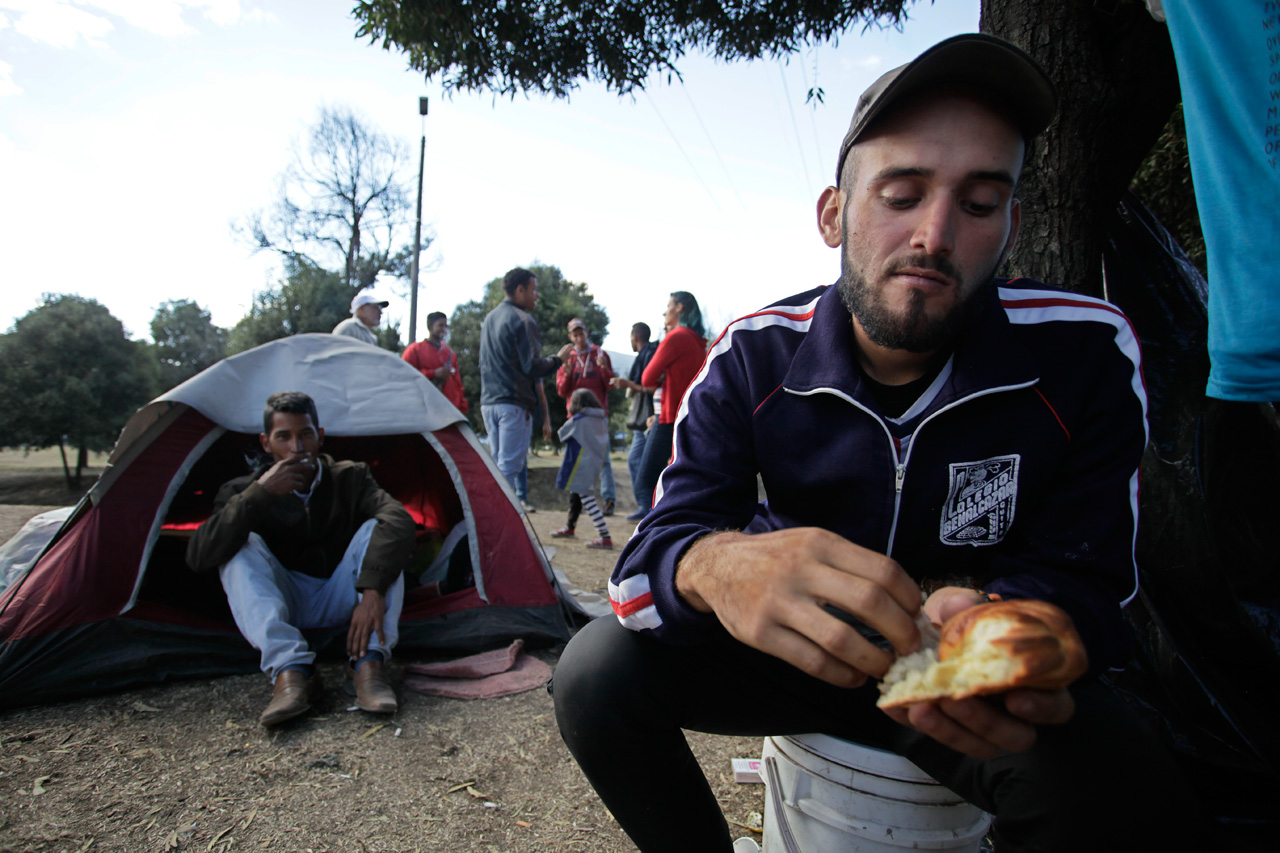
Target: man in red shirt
[
  {"x": 437, "y": 362},
  {"x": 588, "y": 366}
]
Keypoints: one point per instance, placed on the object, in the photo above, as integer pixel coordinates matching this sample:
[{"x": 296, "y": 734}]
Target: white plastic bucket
[{"x": 827, "y": 795}]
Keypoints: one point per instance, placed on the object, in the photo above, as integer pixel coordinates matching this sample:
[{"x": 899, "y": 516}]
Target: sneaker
[
  {"x": 562, "y": 533},
  {"x": 608, "y": 508},
  {"x": 527, "y": 507},
  {"x": 637, "y": 515},
  {"x": 602, "y": 544}
]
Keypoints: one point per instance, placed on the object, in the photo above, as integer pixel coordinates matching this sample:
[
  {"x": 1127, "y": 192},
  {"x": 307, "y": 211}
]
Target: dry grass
[{"x": 186, "y": 767}]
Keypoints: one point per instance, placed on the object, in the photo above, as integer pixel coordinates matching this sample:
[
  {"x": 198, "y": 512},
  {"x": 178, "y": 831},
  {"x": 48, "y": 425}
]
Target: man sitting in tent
[{"x": 308, "y": 542}]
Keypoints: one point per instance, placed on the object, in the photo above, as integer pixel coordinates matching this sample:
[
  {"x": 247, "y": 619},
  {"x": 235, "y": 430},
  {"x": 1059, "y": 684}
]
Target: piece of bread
[{"x": 990, "y": 648}]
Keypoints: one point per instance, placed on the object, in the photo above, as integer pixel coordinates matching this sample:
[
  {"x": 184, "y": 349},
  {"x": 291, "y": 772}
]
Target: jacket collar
[{"x": 987, "y": 354}]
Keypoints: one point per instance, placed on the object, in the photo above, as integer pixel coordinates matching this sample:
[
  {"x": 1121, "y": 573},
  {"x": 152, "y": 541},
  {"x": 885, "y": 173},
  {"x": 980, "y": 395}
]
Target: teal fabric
[{"x": 1228, "y": 56}]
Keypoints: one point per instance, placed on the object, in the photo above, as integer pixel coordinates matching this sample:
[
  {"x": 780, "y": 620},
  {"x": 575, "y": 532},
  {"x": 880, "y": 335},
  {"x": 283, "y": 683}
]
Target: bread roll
[{"x": 990, "y": 648}]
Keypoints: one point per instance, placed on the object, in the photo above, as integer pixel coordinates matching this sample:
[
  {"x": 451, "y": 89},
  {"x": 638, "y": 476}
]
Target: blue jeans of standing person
[
  {"x": 634, "y": 455},
  {"x": 608, "y": 489},
  {"x": 272, "y": 605},
  {"x": 522, "y": 483},
  {"x": 510, "y": 430},
  {"x": 657, "y": 452}
]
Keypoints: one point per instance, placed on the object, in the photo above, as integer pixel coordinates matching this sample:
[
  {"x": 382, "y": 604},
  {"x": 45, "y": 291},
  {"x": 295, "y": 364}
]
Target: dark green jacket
[{"x": 309, "y": 538}]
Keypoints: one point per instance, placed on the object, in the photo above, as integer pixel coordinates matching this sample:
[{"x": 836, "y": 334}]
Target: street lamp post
[{"x": 417, "y": 229}]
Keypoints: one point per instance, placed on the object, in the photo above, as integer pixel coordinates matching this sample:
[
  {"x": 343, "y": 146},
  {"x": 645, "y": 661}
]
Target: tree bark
[
  {"x": 82, "y": 462},
  {"x": 1117, "y": 85},
  {"x": 66, "y": 469}
]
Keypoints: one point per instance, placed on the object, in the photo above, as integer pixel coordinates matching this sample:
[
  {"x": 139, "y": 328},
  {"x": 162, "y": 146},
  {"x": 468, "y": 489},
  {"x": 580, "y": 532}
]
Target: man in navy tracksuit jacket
[{"x": 920, "y": 425}]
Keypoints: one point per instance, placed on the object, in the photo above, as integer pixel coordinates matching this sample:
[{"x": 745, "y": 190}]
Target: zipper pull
[{"x": 900, "y": 474}]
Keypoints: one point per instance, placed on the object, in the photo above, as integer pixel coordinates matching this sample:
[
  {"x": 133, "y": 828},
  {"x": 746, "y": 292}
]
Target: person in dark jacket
[
  {"x": 511, "y": 365},
  {"x": 644, "y": 350},
  {"x": 307, "y": 542},
  {"x": 920, "y": 427}
]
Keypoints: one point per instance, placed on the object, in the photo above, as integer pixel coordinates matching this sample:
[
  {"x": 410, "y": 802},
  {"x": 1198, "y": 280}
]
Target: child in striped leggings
[{"x": 586, "y": 438}]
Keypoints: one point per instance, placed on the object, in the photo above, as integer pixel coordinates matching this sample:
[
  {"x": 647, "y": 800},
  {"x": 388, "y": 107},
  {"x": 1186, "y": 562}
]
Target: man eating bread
[{"x": 920, "y": 426}]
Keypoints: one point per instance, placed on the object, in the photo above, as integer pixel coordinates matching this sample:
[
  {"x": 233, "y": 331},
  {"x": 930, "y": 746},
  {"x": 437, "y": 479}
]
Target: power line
[
  {"x": 813, "y": 110},
  {"x": 804, "y": 164},
  {"x": 676, "y": 140},
  {"x": 712, "y": 143}
]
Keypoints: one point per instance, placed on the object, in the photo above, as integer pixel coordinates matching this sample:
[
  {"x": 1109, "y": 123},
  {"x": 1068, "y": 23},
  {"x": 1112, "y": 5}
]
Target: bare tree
[{"x": 342, "y": 201}]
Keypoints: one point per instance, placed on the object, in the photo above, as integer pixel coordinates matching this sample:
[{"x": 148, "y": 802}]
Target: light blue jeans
[
  {"x": 272, "y": 605},
  {"x": 608, "y": 490},
  {"x": 634, "y": 456},
  {"x": 510, "y": 429}
]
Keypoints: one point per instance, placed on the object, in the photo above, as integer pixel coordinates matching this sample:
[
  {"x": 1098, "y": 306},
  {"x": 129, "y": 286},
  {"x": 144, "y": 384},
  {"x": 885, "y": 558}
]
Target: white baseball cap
[{"x": 364, "y": 297}]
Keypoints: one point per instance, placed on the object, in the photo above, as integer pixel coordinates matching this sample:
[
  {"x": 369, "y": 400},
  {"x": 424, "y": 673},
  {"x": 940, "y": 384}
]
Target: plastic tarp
[
  {"x": 20, "y": 552},
  {"x": 1206, "y": 673}
]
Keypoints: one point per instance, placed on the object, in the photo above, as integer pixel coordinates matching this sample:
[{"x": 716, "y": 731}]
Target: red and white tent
[{"x": 111, "y": 602}]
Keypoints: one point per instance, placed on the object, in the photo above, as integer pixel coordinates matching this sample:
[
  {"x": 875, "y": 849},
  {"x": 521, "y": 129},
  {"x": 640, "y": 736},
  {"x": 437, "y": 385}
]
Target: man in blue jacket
[
  {"x": 919, "y": 427},
  {"x": 511, "y": 365}
]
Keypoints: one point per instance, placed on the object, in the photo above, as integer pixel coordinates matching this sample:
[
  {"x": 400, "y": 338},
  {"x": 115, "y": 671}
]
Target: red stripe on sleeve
[{"x": 635, "y": 605}]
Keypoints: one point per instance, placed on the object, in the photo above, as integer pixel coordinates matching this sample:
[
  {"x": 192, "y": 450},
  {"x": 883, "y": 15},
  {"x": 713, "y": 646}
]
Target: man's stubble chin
[{"x": 913, "y": 329}]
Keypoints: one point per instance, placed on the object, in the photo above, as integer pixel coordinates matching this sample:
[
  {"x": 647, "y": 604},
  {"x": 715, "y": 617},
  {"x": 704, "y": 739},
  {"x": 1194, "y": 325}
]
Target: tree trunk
[
  {"x": 82, "y": 462},
  {"x": 66, "y": 469},
  {"x": 1117, "y": 85}
]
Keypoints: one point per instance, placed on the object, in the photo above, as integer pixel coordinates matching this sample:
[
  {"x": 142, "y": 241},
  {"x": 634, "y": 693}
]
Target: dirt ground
[{"x": 186, "y": 766}]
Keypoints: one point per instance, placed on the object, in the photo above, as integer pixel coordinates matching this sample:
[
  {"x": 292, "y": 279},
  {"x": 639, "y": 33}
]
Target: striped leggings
[{"x": 579, "y": 502}]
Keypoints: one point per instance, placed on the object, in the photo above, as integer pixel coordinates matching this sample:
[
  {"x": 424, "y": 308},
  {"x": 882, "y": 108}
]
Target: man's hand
[
  {"x": 769, "y": 590},
  {"x": 565, "y": 352},
  {"x": 366, "y": 617},
  {"x": 946, "y": 602},
  {"x": 547, "y": 432},
  {"x": 290, "y": 475},
  {"x": 982, "y": 726},
  {"x": 602, "y": 360}
]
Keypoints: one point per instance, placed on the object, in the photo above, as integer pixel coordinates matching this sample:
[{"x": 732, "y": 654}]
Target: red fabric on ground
[{"x": 527, "y": 674}]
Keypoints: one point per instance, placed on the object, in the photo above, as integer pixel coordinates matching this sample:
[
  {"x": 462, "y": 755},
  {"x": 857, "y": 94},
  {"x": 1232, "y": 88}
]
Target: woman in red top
[{"x": 678, "y": 359}]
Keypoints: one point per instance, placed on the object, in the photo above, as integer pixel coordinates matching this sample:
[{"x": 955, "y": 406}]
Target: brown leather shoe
[
  {"x": 373, "y": 688},
  {"x": 291, "y": 697}
]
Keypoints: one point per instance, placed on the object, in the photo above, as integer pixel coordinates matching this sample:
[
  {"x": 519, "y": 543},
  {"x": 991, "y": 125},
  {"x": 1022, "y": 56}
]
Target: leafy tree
[
  {"x": 308, "y": 299},
  {"x": 1113, "y": 64},
  {"x": 559, "y": 301},
  {"x": 69, "y": 374},
  {"x": 186, "y": 341},
  {"x": 343, "y": 202},
  {"x": 548, "y": 47}
]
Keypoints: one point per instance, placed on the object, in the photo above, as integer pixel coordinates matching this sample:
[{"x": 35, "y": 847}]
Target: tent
[{"x": 110, "y": 602}]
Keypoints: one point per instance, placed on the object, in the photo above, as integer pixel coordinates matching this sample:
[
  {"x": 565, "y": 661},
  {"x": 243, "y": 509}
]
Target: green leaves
[
  {"x": 67, "y": 369},
  {"x": 186, "y": 340},
  {"x": 510, "y": 46}
]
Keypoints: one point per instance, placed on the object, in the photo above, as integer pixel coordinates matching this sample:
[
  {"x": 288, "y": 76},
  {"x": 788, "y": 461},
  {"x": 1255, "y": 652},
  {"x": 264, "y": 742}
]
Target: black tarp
[{"x": 1206, "y": 673}]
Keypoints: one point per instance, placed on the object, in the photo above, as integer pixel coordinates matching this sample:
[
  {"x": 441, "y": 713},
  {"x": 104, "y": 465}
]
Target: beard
[{"x": 913, "y": 330}]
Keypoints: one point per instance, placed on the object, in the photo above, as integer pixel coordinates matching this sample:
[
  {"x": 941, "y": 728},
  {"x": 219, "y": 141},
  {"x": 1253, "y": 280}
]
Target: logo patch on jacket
[{"x": 981, "y": 501}]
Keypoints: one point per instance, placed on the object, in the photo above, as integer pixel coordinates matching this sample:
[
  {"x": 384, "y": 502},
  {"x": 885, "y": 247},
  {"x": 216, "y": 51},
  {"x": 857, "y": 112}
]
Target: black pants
[{"x": 1100, "y": 782}]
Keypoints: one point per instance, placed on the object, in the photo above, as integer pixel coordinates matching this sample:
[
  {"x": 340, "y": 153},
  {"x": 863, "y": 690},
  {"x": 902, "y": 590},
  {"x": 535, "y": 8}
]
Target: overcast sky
[{"x": 133, "y": 132}]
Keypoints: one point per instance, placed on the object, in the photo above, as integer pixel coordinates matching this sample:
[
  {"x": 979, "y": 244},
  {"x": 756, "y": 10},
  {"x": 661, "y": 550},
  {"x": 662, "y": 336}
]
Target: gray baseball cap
[{"x": 984, "y": 62}]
